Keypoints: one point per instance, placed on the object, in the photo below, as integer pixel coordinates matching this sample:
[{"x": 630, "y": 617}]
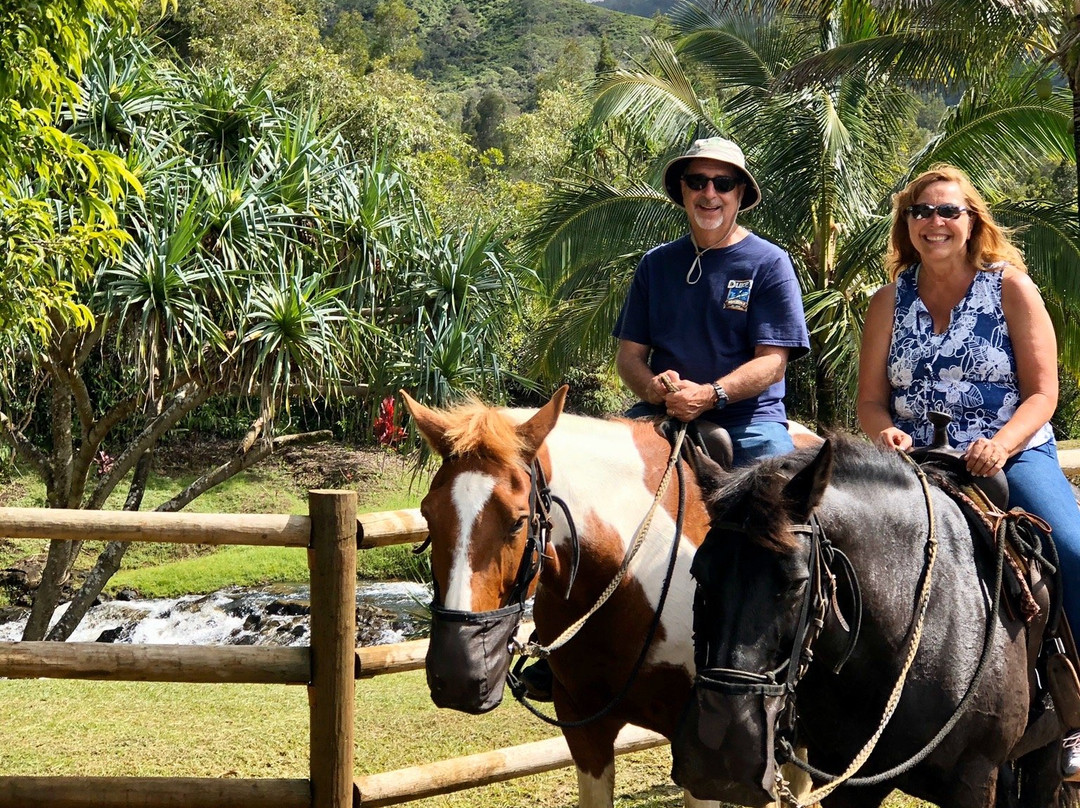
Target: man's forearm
[
  {"x": 754, "y": 377},
  {"x": 637, "y": 375}
]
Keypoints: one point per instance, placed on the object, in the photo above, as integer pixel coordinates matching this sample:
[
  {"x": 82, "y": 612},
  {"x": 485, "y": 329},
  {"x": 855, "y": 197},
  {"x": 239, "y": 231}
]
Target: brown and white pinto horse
[{"x": 607, "y": 472}]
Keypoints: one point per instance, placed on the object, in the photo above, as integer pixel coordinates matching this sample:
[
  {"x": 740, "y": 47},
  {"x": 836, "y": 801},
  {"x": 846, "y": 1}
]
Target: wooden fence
[{"x": 329, "y": 667}]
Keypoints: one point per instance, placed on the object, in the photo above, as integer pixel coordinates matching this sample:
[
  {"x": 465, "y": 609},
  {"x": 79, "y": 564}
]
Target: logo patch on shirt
[{"x": 738, "y": 295}]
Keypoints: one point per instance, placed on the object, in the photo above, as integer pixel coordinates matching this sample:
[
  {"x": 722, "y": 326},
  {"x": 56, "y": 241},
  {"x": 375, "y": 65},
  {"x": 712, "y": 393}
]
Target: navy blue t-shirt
[{"x": 747, "y": 295}]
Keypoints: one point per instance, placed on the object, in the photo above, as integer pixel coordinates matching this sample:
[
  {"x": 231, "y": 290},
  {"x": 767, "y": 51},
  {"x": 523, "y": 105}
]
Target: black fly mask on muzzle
[
  {"x": 469, "y": 652},
  {"x": 468, "y": 656}
]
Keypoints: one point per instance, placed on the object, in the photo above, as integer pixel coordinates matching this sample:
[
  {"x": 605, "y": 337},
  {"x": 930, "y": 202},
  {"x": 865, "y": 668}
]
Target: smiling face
[
  {"x": 711, "y": 212},
  {"x": 936, "y": 239}
]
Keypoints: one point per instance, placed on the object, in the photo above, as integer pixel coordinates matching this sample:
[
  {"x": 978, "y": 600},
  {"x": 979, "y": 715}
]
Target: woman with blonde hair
[{"x": 962, "y": 329}]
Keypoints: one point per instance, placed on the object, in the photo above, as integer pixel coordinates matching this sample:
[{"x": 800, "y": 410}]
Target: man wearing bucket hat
[{"x": 712, "y": 318}]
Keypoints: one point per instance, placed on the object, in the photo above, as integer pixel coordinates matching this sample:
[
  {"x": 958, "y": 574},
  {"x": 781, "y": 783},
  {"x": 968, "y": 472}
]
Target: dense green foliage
[
  {"x": 512, "y": 46},
  {"x": 266, "y": 258},
  {"x": 828, "y": 134}
]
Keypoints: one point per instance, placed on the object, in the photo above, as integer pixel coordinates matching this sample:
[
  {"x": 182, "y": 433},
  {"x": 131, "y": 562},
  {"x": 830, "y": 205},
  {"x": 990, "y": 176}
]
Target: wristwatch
[{"x": 721, "y": 396}]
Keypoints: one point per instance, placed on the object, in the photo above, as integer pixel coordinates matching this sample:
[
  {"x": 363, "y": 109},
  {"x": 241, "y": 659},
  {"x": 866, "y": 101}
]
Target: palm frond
[
  {"x": 662, "y": 102},
  {"x": 595, "y": 223}
]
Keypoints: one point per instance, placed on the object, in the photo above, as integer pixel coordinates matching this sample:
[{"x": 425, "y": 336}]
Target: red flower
[{"x": 386, "y": 432}]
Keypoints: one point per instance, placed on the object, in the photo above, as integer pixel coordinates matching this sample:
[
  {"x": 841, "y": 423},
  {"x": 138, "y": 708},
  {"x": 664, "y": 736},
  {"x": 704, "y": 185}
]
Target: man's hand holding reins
[{"x": 683, "y": 399}]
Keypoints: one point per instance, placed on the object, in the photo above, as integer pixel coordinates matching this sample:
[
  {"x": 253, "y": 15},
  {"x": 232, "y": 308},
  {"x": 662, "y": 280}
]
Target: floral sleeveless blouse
[{"x": 968, "y": 371}]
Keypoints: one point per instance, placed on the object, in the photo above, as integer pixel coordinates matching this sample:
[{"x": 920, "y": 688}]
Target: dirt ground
[{"x": 322, "y": 465}]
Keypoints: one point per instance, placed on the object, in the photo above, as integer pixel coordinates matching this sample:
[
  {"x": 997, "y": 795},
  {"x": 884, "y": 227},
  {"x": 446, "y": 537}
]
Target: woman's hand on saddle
[
  {"x": 893, "y": 438},
  {"x": 985, "y": 457}
]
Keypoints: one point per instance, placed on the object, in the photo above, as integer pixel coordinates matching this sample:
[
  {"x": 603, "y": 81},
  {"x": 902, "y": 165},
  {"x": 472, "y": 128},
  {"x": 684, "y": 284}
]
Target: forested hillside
[
  {"x": 642, "y": 8},
  {"x": 512, "y": 45}
]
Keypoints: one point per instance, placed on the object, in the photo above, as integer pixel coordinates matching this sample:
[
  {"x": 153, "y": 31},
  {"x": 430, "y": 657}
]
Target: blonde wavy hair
[{"x": 987, "y": 248}]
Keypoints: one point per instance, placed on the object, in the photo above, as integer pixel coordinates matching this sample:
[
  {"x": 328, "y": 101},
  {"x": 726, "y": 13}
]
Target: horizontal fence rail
[
  {"x": 227, "y": 664},
  {"x": 332, "y": 534},
  {"x": 152, "y": 792},
  {"x": 485, "y": 768}
]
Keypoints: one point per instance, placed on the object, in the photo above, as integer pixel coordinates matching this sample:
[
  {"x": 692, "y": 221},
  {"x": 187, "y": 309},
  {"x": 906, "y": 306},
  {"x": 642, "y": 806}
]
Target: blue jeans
[
  {"x": 1037, "y": 484},
  {"x": 750, "y": 442}
]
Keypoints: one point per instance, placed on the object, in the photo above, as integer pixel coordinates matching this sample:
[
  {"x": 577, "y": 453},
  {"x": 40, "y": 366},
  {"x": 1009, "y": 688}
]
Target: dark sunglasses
[
  {"x": 926, "y": 211},
  {"x": 722, "y": 183}
]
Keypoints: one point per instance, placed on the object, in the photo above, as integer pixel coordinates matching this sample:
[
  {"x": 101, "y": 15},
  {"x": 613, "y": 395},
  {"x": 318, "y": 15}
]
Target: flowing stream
[{"x": 272, "y": 615}]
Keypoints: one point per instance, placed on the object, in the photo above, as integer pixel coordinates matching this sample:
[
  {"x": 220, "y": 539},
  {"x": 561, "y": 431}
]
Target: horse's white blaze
[
  {"x": 597, "y": 469},
  {"x": 596, "y": 792},
  {"x": 470, "y": 493}
]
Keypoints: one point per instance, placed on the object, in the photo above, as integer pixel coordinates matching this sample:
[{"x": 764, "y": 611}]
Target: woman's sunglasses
[
  {"x": 722, "y": 183},
  {"x": 926, "y": 211}
]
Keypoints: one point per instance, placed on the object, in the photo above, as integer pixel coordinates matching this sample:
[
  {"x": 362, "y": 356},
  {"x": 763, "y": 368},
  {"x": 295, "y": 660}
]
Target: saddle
[
  {"x": 707, "y": 449},
  {"x": 1032, "y": 585},
  {"x": 944, "y": 461}
]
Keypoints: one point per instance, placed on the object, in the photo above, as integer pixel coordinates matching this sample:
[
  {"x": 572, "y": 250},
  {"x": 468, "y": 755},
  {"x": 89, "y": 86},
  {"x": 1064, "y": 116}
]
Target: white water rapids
[{"x": 275, "y": 615}]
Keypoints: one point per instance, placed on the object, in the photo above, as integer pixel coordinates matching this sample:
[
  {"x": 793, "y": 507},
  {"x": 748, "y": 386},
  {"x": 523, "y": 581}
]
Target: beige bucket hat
[{"x": 711, "y": 148}]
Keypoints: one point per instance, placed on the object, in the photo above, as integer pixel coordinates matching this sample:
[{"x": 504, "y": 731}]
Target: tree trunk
[
  {"x": 825, "y": 396},
  {"x": 1071, "y": 69},
  {"x": 107, "y": 563},
  {"x": 47, "y": 595},
  {"x": 1076, "y": 130}
]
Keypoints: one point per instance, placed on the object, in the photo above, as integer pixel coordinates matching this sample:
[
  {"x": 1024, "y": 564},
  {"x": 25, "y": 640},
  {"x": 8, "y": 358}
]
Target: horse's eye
[
  {"x": 519, "y": 525},
  {"x": 792, "y": 588}
]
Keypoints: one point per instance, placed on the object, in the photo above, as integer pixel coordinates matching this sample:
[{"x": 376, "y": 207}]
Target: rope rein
[
  {"x": 1005, "y": 524},
  {"x": 517, "y": 688},
  {"x": 913, "y": 647},
  {"x": 533, "y": 649}
]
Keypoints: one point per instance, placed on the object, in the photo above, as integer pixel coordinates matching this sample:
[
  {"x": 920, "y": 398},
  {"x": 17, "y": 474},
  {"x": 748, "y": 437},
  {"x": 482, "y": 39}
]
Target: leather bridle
[{"x": 819, "y": 597}]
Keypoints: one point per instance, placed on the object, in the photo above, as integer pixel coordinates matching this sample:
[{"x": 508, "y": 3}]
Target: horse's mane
[
  {"x": 754, "y": 497},
  {"x": 857, "y": 461},
  {"x": 475, "y": 428}
]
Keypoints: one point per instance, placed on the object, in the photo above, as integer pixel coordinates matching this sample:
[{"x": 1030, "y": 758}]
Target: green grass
[
  {"x": 56, "y": 727},
  {"x": 229, "y": 566}
]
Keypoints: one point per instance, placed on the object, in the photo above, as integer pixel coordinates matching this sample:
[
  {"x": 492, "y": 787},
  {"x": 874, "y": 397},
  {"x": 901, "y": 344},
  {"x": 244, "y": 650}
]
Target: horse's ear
[
  {"x": 804, "y": 491},
  {"x": 534, "y": 431},
  {"x": 432, "y": 424}
]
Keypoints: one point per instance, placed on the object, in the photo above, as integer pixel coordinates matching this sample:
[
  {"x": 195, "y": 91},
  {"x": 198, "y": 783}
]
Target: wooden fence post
[{"x": 332, "y": 558}]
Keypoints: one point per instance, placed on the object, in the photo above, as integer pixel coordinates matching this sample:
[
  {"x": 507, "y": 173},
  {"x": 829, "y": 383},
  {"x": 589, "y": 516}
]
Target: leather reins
[{"x": 514, "y": 680}]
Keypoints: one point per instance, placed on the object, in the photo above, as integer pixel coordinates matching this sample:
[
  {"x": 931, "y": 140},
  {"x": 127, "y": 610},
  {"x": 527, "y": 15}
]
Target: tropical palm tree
[{"x": 828, "y": 147}]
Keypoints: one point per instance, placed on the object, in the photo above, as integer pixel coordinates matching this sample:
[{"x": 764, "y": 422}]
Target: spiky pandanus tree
[
  {"x": 828, "y": 146},
  {"x": 263, "y": 261}
]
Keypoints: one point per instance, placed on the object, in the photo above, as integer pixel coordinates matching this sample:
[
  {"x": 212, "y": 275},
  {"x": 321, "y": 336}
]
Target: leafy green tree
[
  {"x": 605, "y": 62},
  {"x": 275, "y": 43},
  {"x": 828, "y": 147},
  {"x": 43, "y": 47},
  {"x": 537, "y": 148},
  {"x": 393, "y": 39},
  {"x": 349, "y": 38},
  {"x": 485, "y": 119}
]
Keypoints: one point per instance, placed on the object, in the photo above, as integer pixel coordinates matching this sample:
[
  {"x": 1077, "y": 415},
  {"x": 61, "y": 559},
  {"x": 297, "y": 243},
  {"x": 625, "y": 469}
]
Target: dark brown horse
[{"x": 791, "y": 537}]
